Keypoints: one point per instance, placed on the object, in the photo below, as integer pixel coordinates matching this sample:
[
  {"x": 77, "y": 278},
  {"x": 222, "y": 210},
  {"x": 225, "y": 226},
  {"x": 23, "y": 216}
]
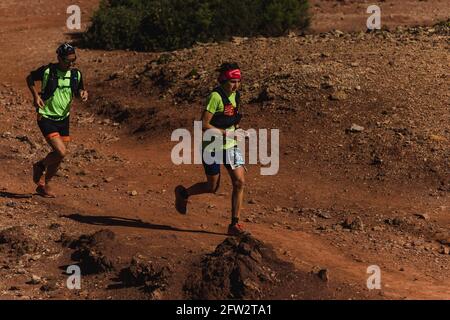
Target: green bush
[{"x": 171, "y": 24}]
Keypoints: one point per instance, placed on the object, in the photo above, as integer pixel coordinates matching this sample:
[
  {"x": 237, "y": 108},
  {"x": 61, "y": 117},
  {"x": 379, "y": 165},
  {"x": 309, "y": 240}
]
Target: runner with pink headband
[
  {"x": 222, "y": 117},
  {"x": 230, "y": 75}
]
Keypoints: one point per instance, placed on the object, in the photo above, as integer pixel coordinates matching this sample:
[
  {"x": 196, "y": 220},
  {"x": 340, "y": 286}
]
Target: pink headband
[{"x": 230, "y": 74}]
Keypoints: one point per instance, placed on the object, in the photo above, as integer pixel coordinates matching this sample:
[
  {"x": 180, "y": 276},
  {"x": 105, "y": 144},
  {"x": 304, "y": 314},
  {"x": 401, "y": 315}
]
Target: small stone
[
  {"x": 355, "y": 128},
  {"x": 133, "y": 193},
  {"x": 108, "y": 179},
  {"x": 35, "y": 257},
  {"x": 438, "y": 138},
  {"x": 353, "y": 223},
  {"x": 423, "y": 216},
  {"x": 54, "y": 226},
  {"x": 376, "y": 160},
  {"x": 338, "y": 96},
  {"x": 444, "y": 250},
  {"x": 82, "y": 173},
  {"x": 324, "y": 274},
  {"x": 327, "y": 85},
  {"x": 277, "y": 209},
  {"x": 35, "y": 279},
  {"x": 21, "y": 271},
  {"x": 251, "y": 201},
  {"x": 49, "y": 286}
]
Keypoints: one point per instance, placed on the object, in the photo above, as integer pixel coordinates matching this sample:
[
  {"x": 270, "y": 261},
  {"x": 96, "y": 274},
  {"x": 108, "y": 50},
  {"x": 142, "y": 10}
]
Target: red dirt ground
[{"x": 326, "y": 174}]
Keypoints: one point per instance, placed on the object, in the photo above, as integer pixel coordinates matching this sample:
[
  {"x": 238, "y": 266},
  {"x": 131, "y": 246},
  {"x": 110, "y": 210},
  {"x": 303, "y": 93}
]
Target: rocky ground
[{"x": 364, "y": 166}]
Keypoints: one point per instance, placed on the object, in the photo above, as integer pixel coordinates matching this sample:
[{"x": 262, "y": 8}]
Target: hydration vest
[
  {"x": 53, "y": 83},
  {"x": 230, "y": 115}
]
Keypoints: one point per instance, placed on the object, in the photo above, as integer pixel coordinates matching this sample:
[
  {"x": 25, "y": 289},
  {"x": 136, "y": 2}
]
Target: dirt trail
[{"x": 284, "y": 213}]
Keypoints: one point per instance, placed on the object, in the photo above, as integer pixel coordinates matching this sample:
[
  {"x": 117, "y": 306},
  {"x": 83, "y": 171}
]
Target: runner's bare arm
[
  {"x": 206, "y": 119},
  {"x": 37, "y": 101}
]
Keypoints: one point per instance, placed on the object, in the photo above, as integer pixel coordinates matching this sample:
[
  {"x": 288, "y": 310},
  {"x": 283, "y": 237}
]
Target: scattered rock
[
  {"x": 438, "y": 138},
  {"x": 324, "y": 215},
  {"x": 397, "y": 221},
  {"x": 353, "y": 223},
  {"x": 239, "y": 268},
  {"x": 17, "y": 240},
  {"x": 324, "y": 274},
  {"x": 21, "y": 271},
  {"x": 327, "y": 85},
  {"x": 376, "y": 160},
  {"x": 35, "y": 280},
  {"x": 423, "y": 216},
  {"x": 355, "y": 128},
  {"x": 443, "y": 238},
  {"x": 54, "y": 226},
  {"x": 266, "y": 94},
  {"x": 239, "y": 40},
  {"x": 338, "y": 96},
  {"x": 147, "y": 274},
  {"x": 250, "y": 219},
  {"x": 50, "y": 285},
  {"x": 96, "y": 253}
]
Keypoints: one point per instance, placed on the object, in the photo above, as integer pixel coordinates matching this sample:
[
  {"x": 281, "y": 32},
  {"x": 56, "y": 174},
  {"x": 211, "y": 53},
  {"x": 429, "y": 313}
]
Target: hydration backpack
[
  {"x": 53, "y": 83},
  {"x": 230, "y": 115}
]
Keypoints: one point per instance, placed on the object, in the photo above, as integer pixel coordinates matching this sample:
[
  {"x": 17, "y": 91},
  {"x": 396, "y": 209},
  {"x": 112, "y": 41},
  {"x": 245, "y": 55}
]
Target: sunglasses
[
  {"x": 69, "y": 61},
  {"x": 235, "y": 81}
]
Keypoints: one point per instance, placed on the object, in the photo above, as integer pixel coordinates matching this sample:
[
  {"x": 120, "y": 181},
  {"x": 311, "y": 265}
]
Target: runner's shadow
[
  {"x": 126, "y": 222},
  {"x": 12, "y": 195}
]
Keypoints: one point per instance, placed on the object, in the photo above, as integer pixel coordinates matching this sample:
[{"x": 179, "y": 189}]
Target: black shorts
[{"x": 52, "y": 128}]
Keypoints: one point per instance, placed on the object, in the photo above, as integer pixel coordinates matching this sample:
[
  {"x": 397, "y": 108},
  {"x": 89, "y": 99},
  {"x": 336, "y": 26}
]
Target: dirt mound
[
  {"x": 17, "y": 240},
  {"x": 246, "y": 268},
  {"x": 95, "y": 252},
  {"x": 146, "y": 274}
]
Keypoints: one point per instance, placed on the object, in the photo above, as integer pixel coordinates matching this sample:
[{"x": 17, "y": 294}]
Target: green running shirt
[
  {"x": 215, "y": 104},
  {"x": 56, "y": 107}
]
